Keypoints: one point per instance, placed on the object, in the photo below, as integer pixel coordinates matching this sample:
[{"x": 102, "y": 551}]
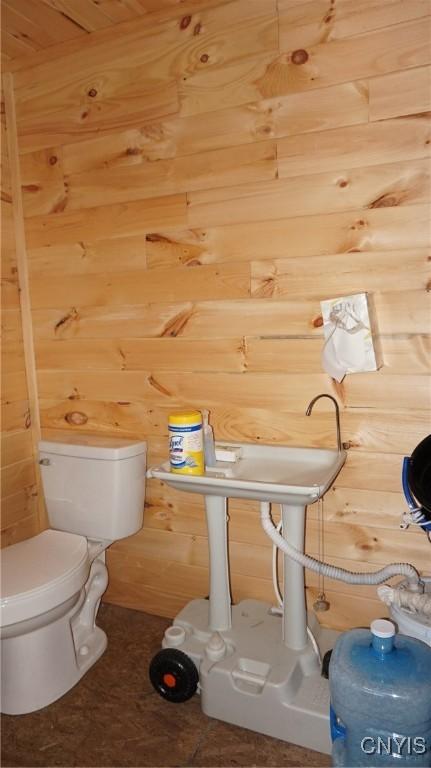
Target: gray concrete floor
[{"x": 113, "y": 717}]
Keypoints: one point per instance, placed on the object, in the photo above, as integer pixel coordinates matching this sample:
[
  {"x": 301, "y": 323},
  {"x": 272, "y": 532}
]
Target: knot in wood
[
  {"x": 76, "y": 418},
  {"x": 300, "y": 56},
  {"x": 185, "y": 21}
]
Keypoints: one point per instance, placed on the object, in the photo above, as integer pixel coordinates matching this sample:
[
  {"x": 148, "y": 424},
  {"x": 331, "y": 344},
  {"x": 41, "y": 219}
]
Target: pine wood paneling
[
  {"x": 146, "y": 103},
  {"x": 143, "y": 354},
  {"x": 391, "y": 184},
  {"x": 308, "y": 23},
  {"x": 13, "y": 355},
  {"x": 16, "y": 476},
  {"x": 185, "y": 552},
  {"x": 117, "y": 220},
  {"x": 43, "y": 182},
  {"x": 380, "y": 229},
  {"x": 344, "y": 104},
  {"x": 35, "y": 24},
  {"x": 341, "y": 273},
  {"x": 209, "y": 282},
  {"x": 255, "y": 162},
  {"x": 90, "y": 257},
  {"x": 385, "y": 141},
  {"x": 401, "y": 93},
  {"x": 398, "y": 312},
  {"x": 167, "y": 511},
  {"x": 20, "y": 514},
  {"x": 279, "y": 391},
  {"x": 401, "y": 353},
  {"x": 151, "y": 61},
  {"x": 16, "y": 447},
  {"x": 207, "y": 319},
  {"x": 15, "y": 415},
  {"x": 196, "y": 180},
  {"x": 14, "y": 386},
  {"x": 393, "y": 48},
  {"x": 22, "y": 528},
  {"x": 17, "y": 510},
  {"x": 154, "y": 12},
  {"x": 9, "y": 294},
  {"x": 86, "y": 15},
  {"x": 26, "y": 29},
  {"x": 362, "y": 429}
]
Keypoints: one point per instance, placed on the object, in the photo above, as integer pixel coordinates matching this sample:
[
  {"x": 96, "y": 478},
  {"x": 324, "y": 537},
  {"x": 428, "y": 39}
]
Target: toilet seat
[{"x": 41, "y": 573}]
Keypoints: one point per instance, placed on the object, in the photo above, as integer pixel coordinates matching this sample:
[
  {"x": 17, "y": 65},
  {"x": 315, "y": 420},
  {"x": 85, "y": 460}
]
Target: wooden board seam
[{"x": 23, "y": 278}]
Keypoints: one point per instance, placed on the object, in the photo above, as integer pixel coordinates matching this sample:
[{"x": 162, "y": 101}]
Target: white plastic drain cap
[
  {"x": 215, "y": 648},
  {"x": 382, "y": 628},
  {"x": 174, "y": 636}
]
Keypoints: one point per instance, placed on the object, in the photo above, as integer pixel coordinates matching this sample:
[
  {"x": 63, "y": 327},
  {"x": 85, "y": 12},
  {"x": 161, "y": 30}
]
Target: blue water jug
[{"x": 380, "y": 698}]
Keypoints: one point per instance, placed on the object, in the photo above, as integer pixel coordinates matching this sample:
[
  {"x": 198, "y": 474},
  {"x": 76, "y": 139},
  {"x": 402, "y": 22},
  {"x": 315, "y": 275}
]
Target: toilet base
[{"x": 41, "y": 662}]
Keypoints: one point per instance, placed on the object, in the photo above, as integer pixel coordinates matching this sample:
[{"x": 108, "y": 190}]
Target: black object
[
  {"x": 419, "y": 474},
  {"x": 173, "y": 675},
  {"x": 325, "y": 664}
]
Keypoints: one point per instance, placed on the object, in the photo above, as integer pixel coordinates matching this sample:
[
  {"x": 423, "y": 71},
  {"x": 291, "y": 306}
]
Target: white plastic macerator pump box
[{"x": 351, "y": 338}]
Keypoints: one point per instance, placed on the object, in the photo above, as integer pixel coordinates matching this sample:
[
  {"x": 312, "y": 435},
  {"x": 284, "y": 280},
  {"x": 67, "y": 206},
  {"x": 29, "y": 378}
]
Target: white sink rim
[{"x": 210, "y": 484}]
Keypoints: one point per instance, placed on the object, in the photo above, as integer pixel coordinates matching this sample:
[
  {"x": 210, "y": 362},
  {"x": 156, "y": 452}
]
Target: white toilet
[{"x": 51, "y": 584}]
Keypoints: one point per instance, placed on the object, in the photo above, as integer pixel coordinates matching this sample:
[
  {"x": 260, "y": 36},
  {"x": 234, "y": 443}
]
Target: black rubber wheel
[
  {"x": 325, "y": 664},
  {"x": 173, "y": 675}
]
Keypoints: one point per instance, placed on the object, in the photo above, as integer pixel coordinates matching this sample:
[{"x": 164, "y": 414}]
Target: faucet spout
[{"x": 337, "y": 414}]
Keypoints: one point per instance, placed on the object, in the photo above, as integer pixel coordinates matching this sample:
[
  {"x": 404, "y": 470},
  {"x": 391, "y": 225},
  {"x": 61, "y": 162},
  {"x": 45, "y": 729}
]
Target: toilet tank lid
[{"x": 92, "y": 447}]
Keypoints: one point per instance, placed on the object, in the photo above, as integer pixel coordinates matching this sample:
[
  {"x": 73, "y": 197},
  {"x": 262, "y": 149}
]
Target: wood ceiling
[{"x": 33, "y": 25}]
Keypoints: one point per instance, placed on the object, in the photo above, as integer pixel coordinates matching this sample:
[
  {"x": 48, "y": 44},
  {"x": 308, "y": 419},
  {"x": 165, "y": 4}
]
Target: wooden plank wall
[
  {"x": 193, "y": 186},
  {"x": 19, "y": 498}
]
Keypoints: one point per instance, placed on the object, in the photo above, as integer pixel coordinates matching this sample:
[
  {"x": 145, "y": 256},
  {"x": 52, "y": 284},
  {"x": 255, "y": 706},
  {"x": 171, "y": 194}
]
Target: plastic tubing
[
  {"x": 404, "y": 599},
  {"x": 406, "y": 489},
  {"x": 331, "y": 571}
]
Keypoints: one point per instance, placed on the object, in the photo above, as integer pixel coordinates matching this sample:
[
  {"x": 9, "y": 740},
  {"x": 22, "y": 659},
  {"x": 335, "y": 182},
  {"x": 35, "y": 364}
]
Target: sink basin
[{"x": 274, "y": 473}]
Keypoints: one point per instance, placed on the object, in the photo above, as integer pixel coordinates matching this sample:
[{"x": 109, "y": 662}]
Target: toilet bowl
[{"x": 52, "y": 583}]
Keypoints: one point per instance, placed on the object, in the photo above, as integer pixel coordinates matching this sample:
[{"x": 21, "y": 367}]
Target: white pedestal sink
[{"x": 268, "y": 677}]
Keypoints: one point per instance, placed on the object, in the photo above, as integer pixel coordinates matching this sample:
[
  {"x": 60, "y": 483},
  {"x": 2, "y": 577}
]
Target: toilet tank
[{"x": 94, "y": 486}]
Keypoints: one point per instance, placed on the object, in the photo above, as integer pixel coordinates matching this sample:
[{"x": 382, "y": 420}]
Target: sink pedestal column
[
  {"x": 220, "y": 612},
  {"x": 295, "y": 613}
]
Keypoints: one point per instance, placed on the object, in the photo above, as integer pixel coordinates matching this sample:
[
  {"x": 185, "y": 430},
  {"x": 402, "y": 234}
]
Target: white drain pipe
[
  {"x": 331, "y": 571},
  {"x": 403, "y": 598}
]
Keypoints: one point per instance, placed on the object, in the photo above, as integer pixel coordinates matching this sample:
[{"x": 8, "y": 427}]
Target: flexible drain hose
[
  {"x": 403, "y": 598},
  {"x": 331, "y": 571}
]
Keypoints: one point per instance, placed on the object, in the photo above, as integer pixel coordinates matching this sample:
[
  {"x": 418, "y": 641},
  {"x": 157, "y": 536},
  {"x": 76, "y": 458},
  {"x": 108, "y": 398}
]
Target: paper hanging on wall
[{"x": 351, "y": 340}]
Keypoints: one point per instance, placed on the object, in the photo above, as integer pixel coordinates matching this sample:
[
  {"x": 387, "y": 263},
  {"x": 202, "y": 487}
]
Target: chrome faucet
[{"x": 337, "y": 414}]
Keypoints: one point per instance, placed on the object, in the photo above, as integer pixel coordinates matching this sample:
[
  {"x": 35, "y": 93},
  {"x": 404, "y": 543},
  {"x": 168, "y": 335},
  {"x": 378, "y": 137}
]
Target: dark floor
[{"x": 113, "y": 717}]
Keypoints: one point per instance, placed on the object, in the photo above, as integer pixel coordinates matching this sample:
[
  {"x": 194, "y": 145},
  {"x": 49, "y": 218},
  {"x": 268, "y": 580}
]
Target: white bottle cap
[
  {"x": 174, "y": 636},
  {"x": 382, "y": 628}
]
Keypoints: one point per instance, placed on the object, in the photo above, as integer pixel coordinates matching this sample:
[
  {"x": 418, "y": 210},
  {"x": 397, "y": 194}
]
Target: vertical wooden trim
[{"x": 23, "y": 280}]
